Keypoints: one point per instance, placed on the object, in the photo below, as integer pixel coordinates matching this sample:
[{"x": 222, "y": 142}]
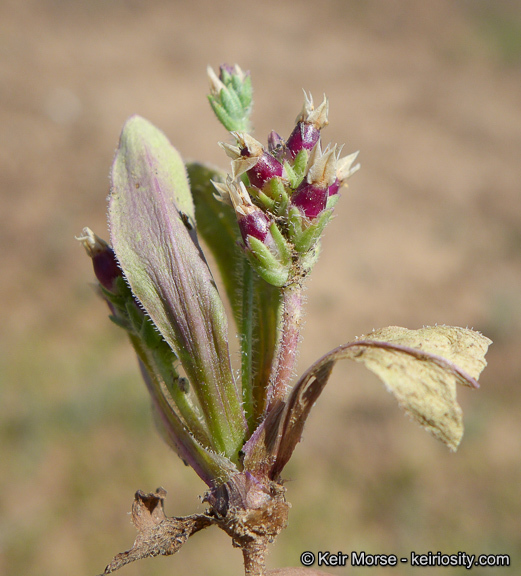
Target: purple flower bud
[
  {"x": 267, "y": 167},
  {"x": 249, "y": 157},
  {"x": 251, "y": 219},
  {"x": 255, "y": 223},
  {"x": 309, "y": 123},
  {"x": 226, "y": 69},
  {"x": 276, "y": 145},
  {"x": 106, "y": 268},
  {"x": 310, "y": 199},
  {"x": 104, "y": 260},
  {"x": 304, "y": 136},
  {"x": 312, "y": 194},
  {"x": 334, "y": 188}
]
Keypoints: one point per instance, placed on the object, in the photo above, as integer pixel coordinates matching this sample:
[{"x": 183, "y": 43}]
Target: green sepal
[
  {"x": 284, "y": 252},
  {"x": 299, "y": 166},
  {"x": 225, "y": 76},
  {"x": 310, "y": 235},
  {"x": 120, "y": 322},
  {"x": 294, "y": 223},
  {"x": 267, "y": 203},
  {"x": 150, "y": 335},
  {"x": 244, "y": 91},
  {"x": 119, "y": 296},
  {"x": 331, "y": 201},
  {"x": 118, "y": 302},
  {"x": 122, "y": 288},
  {"x": 266, "y": 264},
  {"x": 290, "y": 175},
  {"x": 134, "y": 315},
  {"x": 309, "y": 259},
  {"x": 231, "y": 103},
  {"x": 222, "y": 115},
  {"x": 277, "y": 191},
  {"x": 244, "y": 178}
]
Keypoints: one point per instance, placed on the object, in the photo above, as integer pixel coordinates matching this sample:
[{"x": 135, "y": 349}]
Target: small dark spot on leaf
[
  {"x": 183, "y": 384},
  {"x": 186, "y": 221}
]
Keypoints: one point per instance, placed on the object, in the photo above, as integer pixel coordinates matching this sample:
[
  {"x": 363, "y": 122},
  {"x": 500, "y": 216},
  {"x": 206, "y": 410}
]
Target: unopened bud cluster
[
  {"x": 284, "y": 194},
  {"x": 231, "y": 96}
]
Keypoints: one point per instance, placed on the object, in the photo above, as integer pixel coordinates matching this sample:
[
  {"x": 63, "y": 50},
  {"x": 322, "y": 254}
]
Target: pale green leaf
[
  {"x": 152, "y": 231},
  {"x": 256, "y": 305}
]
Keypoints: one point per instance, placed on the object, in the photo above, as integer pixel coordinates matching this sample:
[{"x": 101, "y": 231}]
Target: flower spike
[{"x": 238, "y": 429}]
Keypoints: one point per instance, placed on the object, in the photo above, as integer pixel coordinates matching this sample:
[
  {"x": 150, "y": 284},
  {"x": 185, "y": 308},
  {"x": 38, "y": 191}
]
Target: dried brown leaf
[
  {"x": 419, "y": 367},
  {"x": 158, "y": 535}
]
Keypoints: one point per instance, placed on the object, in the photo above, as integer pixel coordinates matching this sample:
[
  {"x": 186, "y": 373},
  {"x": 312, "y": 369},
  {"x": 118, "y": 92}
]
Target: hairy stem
[
  {"x": 253, "y": 554},
  {"x": 246, "y": 331},
  {"x": 288, "y": 345}
]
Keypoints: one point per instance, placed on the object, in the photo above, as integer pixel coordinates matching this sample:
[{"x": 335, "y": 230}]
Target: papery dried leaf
[
  {"x": 420, "y": 367},
  {"x": 295, "y": 413},
  {"x": 153, "y": 237},
  {"x": 158, "y": 535},
  {"x": 465, "y": 348}
]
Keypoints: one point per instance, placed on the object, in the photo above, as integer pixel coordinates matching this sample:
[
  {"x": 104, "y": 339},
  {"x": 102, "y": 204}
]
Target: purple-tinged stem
[{"x": 288, "y": 344}]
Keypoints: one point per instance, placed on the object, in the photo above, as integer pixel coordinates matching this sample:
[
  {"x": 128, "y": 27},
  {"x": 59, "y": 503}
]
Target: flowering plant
[{"x": 263, "y": 223}]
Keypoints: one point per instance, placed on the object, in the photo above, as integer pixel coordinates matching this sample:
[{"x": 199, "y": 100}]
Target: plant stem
[
  {"x": 253, "y": 554},
  {"x": 288, "y": 344},
  {"x": 246, "y": 332},
  {"x": 267, "y": 324}
]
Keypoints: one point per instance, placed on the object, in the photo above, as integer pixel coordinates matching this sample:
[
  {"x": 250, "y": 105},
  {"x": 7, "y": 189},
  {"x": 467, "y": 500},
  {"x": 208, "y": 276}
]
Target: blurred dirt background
[{"x": 429, "y": 231}]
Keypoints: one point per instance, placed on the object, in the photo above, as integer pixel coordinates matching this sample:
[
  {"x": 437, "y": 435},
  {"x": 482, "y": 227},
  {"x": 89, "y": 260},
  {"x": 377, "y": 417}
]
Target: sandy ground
[{"x": 429, "y": 231}]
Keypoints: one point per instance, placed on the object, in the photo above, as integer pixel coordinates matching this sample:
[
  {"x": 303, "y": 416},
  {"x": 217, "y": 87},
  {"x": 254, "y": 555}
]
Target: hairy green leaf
[
  {"x": 255, "y": 303},
  {"x": 217, "y": 225},
  {"x": 152, "y": 231}
]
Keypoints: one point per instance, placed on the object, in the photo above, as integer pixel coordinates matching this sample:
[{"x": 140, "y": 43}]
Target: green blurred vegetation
[{"x": 499, "y": 27}]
